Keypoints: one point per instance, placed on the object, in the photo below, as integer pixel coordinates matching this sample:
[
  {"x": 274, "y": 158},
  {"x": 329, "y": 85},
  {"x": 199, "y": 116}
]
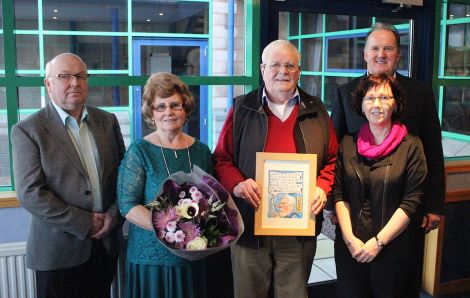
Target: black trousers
[
  {"x": 392, "y": 274},
  {"x": 91, "y": 279}
]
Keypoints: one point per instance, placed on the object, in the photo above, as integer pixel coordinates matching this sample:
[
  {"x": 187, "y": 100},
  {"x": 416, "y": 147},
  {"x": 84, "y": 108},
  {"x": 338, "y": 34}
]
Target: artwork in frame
[{"x": 287, "y": 182}]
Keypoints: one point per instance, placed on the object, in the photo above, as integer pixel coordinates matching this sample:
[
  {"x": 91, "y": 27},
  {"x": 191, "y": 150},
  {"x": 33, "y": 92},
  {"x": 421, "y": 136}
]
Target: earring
[{"x": 153, "y": 122}]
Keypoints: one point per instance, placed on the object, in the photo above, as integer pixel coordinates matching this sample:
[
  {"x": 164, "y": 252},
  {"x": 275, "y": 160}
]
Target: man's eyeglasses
[
  {"x": 68, "y": 77},
  {"x": 174, "y": 106},
  {"x": 381, "y": 98},
  {"x": 275, "y": 67}
]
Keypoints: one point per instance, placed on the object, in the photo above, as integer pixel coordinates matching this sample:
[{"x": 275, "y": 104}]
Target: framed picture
[{"x": 287, "y": 182}]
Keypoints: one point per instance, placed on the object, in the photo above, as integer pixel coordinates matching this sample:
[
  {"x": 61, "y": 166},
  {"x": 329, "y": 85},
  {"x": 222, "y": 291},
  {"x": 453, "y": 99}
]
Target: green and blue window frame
[{"x": 22, "y": 89}]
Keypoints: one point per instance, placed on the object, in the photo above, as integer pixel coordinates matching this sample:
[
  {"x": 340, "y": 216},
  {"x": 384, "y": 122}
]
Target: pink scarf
[{"x": 367, "y": 148}]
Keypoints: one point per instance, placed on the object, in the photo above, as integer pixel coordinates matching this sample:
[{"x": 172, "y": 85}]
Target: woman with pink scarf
[{"x": 378, "y": 189}]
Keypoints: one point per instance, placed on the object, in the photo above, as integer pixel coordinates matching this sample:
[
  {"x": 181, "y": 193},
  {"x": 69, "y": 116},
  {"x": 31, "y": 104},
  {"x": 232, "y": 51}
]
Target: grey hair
[{"x": 279, "y": 44}]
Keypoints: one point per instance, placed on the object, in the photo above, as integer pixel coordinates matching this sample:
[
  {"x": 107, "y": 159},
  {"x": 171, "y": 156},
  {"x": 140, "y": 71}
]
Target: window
[
  {"x": 332, "y": 46},
  {"x": 453, "y": 72},
  {"x": 104, "y": 34}
]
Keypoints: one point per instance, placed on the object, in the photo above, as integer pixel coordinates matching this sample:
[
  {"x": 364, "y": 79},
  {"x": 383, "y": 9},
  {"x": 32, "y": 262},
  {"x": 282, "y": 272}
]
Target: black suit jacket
[{"x": 420, "y": 117}]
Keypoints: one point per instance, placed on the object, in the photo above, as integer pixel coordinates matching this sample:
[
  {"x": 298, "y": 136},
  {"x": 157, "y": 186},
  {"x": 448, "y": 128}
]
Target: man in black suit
[{"x": 382, "y": 53}]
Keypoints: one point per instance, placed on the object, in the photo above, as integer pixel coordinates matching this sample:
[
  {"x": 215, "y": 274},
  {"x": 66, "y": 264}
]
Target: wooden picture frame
[{"x": 287, "y": 182}]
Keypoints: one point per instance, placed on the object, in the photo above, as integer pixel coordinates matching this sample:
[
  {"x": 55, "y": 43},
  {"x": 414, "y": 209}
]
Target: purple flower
[
  {"x": 232, "y": 219},
  {"x": 224, "y": 240},
  {"x": 187, "y": 211},
  {"x": 191, "y": 231},
  {"x": 162, "y": 218},
  {"x": 179, "y": 236}
]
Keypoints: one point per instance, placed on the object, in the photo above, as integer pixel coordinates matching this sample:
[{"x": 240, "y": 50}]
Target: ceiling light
[
  {"x": 55, "y": 18},
  {"x": 160, "y": 13},
  {"x": 56, "y": 10},
  {"x": 148, "y": 20}
]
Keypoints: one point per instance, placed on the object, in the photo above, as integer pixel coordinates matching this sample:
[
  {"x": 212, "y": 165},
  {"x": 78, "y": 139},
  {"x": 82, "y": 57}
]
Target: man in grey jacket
[{"x": 65, "y": 159}]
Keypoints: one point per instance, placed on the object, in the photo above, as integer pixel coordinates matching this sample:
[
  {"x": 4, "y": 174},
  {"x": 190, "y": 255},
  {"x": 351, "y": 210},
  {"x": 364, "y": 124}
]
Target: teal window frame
[
  {"x": 12, "y": 79},
  {"x": 440, "y": 80},
  {"x": 325, "y": 36}
]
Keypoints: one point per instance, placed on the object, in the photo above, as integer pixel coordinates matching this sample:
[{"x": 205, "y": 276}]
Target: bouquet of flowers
[{"x": 194, "y": 216}]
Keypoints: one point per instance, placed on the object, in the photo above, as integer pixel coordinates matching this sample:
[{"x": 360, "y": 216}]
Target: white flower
[
  {"x": 193, "y": 189},
  {"x": 196, "y": 195},
  {"x": 197, "y": 243},
  {"x": 170, "y": 237},
  {"x": 171, "y": 226},
  {"x": 179, "y": 236},
  {"x": 217, "y": 206},
  {"x": 182, "y": 194},
  {"x": 184, "y": 202},
  {"x": 188, "y": 211}
]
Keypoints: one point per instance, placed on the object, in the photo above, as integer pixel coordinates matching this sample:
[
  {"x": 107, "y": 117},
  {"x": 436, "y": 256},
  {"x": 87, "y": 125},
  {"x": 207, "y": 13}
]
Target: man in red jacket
[{"x": 278, "y": 117}]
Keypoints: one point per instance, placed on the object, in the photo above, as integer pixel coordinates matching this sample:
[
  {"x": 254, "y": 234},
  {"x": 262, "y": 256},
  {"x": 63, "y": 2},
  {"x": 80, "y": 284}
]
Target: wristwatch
[{"x": 379, "y": 242}]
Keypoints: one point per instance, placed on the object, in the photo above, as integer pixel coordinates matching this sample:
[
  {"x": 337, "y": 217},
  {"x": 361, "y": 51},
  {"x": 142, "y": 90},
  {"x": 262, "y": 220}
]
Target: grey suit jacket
[{"x": 51, "y": 183}]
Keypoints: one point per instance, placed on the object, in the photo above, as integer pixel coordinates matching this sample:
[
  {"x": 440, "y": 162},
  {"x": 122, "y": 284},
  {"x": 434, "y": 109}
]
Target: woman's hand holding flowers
[{"x": 194, "y": 216}]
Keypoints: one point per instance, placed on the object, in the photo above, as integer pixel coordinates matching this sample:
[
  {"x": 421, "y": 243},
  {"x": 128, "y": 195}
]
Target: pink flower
[
  {"x": 190, "y": 230},
  {"x": 197, "y": 195},
  {"x": 170, "y": 237},
  {"x": 161, "y": 218},
  {"x": 182, "y": 194},
  {"x": 171, "y": 226},
  {"x": 193, "y": 189},
  {"x": 179, "y": 236},
  {"x": 161, "y": 234}
]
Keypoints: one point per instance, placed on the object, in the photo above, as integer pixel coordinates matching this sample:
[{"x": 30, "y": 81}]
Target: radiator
[{"x": 17, "y": 281}]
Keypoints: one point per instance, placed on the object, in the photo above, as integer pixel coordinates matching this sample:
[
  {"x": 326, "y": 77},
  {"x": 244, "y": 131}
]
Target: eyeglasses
[
  {"x": 381, "y": 98},
  {"x": 174, "y": 106},
  {"x": 275, "y": 67},
  {"x": 68, "y": 77}
]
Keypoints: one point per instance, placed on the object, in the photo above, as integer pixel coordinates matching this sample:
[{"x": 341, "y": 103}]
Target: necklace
[
  {"x": 164, "y": 158},
  {"x": 169, "y": 146}
]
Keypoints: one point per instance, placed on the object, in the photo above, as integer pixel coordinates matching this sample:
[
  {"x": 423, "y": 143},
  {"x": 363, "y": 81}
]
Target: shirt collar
[
  {"x": 295, "y": 99},
  {"x": 64, "y": 115},
  {"x": 394, "y": 74}
]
